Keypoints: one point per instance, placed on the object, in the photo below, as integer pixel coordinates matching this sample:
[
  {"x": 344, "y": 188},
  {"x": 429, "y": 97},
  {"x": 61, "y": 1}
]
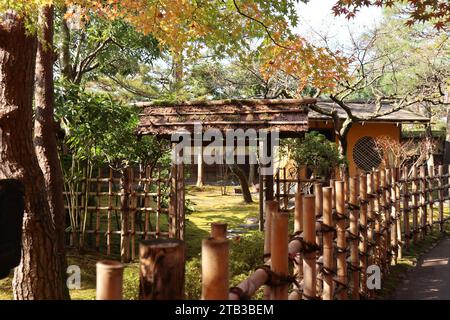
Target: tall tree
[
  {"x": 39, "y": 274},
  {"x": 45, "y": 129}
]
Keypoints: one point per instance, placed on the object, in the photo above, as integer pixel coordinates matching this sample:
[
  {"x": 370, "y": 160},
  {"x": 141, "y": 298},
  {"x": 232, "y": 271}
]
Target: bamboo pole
[
  {"x": 215, "y": 270},
  {"x": 219, "y": 230},
  {"x": 319, "y": 236},
  {"x": 354, "y": 235},
  {"x": 110, "y": 194},
  {"x": 133, "y": 205},
  {"x": 158, "y": 204},
  {"x": 279, "y": 253},
  {"x": 109, "y": 280},
  {"x": 423, "y": 202},
  {"x": 371, "y": 248},
  {"x": 441, "y": 197},
  {"x": 363, "y": 232},
  {"x": 415, "y": 202},
  {"x": 161, "y": 269},
  {"x": 341, "y": 240},
  {"x": 125, "y": 210},
  {"x": 328, "y": 262},
  {"x": 270, "y": 208},
  {"x": 394, "y": 215},
  {"x": 431, "y": 175},
  {"x": 298, "y": 229},
  {"x": 97, "y": 211},
  {"x": 147, "y": 205},
  {"x": 379, "y": 248},
  {"x": 309, "y": 236},
  {"x": 386, "y": 215},
  {"x": 406, "y": 215}
]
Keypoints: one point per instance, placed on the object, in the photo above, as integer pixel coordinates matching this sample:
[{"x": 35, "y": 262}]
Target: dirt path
[{"x": 430, "y": 279}]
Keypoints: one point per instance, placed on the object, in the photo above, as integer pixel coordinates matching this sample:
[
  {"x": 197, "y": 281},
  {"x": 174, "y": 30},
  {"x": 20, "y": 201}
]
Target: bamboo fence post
[
  {"x": 158, "y": 204},
  {"x": 385, "y": 205},
  {"x": 319, "y": 236},
  {"x": 215, "y": 270},
  {"x": 97, "y": 211},
  {"x": 279, "y": 253},
  {"x": 161, "y": 269},
  {"x": 298, "y": 229},
  {"x": 406, "y": 209},
  {"x": 328, "y": 231},
  {"x": 333, "y": 193},
  {"x": 133, "y": 206},
  {"x": 309, "y": 237},
  {"x": 371, "y": 248},
  {"x": 125, "y": 210},
  {"x": 363, "y": 232},
  {"x": 441, "y": 197},
  {"x": 341, "y": 241},
  {"x": 430, "y": 196},
  {"x": 109, "y": 280},
  {"x": 110, "y": 194},
  {"x": 354, "y": 236},
  {"x": 173, "y": 205},
  {"x": 415, "y": 204},
  {"x": 271, "y": 208},
  {"x": 423, "y": 203},
  {"x": 380, "y": 238},
  {"x": 147, "y": 203},
  {"x": 219, "y": 230},
  {"x": 395, "y": 217}
]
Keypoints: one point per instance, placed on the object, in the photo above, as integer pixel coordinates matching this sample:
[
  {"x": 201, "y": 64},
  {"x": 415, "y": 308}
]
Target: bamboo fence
[{"x": 113, "y": 211}]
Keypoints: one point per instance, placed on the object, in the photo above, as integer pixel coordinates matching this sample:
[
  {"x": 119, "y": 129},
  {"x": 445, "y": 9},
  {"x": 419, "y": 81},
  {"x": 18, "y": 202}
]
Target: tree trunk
[
  {"x": 45, "y": 133},
  {"x": 237, "y": 171},
  {"x": 200, "y": 167},
  {"x": 39, "y": 274},
  {"x": 446, "y": 159}
]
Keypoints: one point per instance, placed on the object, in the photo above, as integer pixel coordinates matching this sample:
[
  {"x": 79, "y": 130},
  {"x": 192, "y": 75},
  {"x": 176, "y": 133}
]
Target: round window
[{"x": 366, "y": 155}]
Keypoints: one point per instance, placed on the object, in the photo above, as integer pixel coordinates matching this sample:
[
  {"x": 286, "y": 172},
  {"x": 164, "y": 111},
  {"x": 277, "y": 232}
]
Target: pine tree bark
[
  {"x": 239, "y": 173},
  {"x": 39, "y": 274},
  {"x": 45, "y": 132}
]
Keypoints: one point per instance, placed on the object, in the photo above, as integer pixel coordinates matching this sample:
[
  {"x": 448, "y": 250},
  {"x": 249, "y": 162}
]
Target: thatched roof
[
  {"x": 363, "y": 110},
  {"x": 287, "y": 115}
]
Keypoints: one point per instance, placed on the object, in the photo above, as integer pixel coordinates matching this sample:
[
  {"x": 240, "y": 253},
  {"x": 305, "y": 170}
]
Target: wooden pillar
[
  {"x": 161, "y": 269},
  {"x": 215, "y": 270},
  {"x": 341, "y": 240},
  {"x": 109, "y": 280},
  {"x": 125, "y": 211},
  {"x": 415, "y": 203},
  {"x": 354, "y": 235},
  {"x": 279, "y": 252},
  {"x": 328, "y": 261},
  {"x": 200, "y": 180},
  {"x": 441, "y": 197},
  {"x": 309, "y": 236}
]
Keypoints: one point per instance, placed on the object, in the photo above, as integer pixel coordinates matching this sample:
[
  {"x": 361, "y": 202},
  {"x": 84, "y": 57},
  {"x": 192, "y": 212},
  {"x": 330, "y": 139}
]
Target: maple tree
[{"x": 435, "y": 11}]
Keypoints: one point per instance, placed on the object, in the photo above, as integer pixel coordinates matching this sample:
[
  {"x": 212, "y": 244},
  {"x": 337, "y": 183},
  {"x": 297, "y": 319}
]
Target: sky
[{"x": 317, "y": 16}]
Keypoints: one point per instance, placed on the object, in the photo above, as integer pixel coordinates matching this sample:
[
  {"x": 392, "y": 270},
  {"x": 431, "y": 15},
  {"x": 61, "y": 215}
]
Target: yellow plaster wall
[{"x": 358, "y": 131}]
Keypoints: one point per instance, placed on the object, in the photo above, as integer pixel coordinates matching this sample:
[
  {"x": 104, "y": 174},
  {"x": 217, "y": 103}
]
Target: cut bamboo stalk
[
  {"x": 270, "y": 208},
  {"x": 319, "y": 237},
  {"x": 415, "y": 202},
  {"x": 298, "y": 229},
  {"x": 97, "y": 211},
  {"x": 341, "y": 240},
  {"x": 354, "y": 233},
  {"x": 400, "y": 239},
  {"x": 363, "y": 232},
  {"x": 394, "y": 214},
  {"x": 431, "y": 175},
  {"x": 110, "y": 195},
  {"x": 385, "y": 218},
  {"x": 328, "y": 262},
  {"x": 161, "y": 269},
  {"x": 370, "y": 219},
  {"x": 378, "y": 219},
  {"x": 279, "y": 253},
  {"x": 109, "y": 280},
  {"x": 423, "y": 202},
  {"x": 215, "y": 270},
  {"x": 406, "y": 215},
  {"x": 441, "y": 197},
  {"x": 219, "y": 230},
  {"x": 309, "y": 236}
]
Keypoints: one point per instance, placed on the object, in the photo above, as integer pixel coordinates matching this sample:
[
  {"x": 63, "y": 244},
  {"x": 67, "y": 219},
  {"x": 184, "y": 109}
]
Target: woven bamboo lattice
[{"x": 114, "y": 210}]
